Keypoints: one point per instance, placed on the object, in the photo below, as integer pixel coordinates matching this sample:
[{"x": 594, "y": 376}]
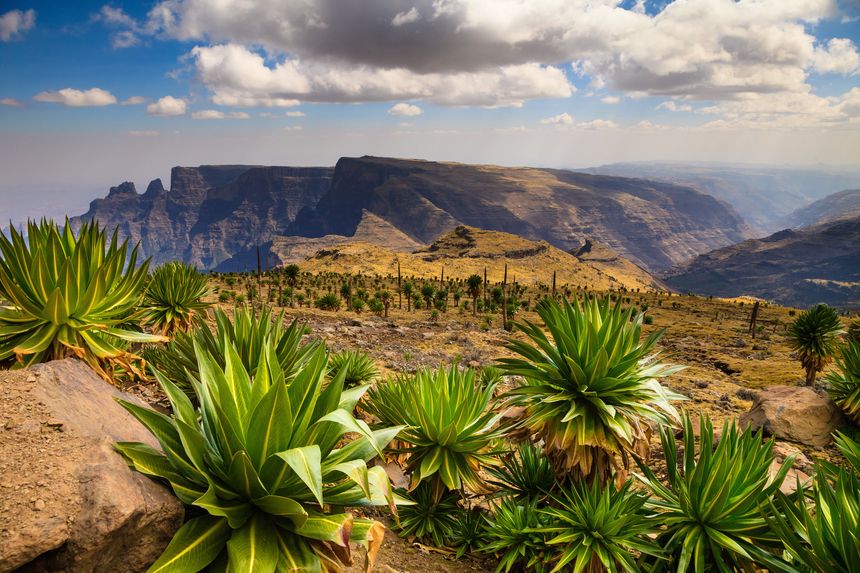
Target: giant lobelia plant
[
  {"x": 172, "y": 297},
  {"x": 271, "y": 463},
  {"x": 68, "y": 295},
  {"x": 591, "y": 390}
]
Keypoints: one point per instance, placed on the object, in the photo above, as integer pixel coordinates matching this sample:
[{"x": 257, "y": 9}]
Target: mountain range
[
  {"x": 214, "y": 213},
  {"x": 367, "y": 212}
]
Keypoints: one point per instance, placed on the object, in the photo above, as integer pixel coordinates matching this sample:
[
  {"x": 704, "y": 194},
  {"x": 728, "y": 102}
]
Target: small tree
[
  {"x": 385, "y": 297},
  {"x": 474, "y": 283},
  {"x": 427, "y": 292},
  {"x": 291, "y": 272},
  {"x": 814, "y": 335}
]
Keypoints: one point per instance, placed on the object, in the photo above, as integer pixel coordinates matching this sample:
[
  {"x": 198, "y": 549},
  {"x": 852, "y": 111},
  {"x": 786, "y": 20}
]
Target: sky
[{"x": 92, "y": 94}]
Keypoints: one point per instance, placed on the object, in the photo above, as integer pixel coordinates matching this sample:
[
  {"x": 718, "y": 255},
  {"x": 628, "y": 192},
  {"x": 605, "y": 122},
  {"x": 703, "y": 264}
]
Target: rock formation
[
  {"x": 68, "y": 501},
  {"x": 794, "y": 413}
]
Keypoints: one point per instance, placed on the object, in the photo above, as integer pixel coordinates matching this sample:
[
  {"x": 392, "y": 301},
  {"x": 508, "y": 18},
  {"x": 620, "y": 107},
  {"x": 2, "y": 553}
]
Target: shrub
[
  {"x": 247, "y": 333},
  {"x": 598, "y": 528},
  {"x": 844, "y": 381},
  {"x": 853, "y": 334},
  {"x": 452, "y": 428},
  {"x": 516, "y": 537},
  {"x": 428, "y": 517},
  {"x": 469, "y": 532},
  {"x": 814, "y": 335},
  {"x": 328, "y": 302},
  {"x": 590, "y": 392},
  {"x": 68, "y": 295},
  {"x": 525, "y": 475},
  {"x": 172, "y": 297},
  {"x": 376, "y": 306},
  {"x": 823, "y": 537},
  {"x": 712, "y": 507},
  {"x": 262, "y": 460},
  {"x": 358, "y": 304},
  {"x": 358, "y": 367}
]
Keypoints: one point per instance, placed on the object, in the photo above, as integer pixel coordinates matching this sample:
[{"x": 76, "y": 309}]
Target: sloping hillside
[
  {"x": 466, "y": 251},
  {"x": 763, "y": 195},
  {"x": 842, "y": 205},
  {"x": 654, "y": 224},
  {"x": 800, "y": 268}
]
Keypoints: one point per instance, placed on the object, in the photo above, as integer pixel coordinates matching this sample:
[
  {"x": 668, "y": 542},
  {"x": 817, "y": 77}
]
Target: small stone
[{"x": 39, "y": 504}]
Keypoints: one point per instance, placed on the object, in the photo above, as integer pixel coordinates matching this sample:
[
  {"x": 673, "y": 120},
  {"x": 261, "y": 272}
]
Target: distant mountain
[
  {"x": 793, "y": 267},
  {"x": 466, "y": 250},
  {"x": 764, "y": 195},
  {"x": 215, "y": 216},
  {"x": 842, "y": 205},
  {"x": 211, "y": 212},
  {"x": 653, "y": 224}
]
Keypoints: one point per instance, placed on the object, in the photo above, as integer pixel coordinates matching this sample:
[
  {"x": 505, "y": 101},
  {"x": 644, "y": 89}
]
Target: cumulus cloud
[
  {"x": 134, "y": 100},
  {"x": 167, "y": 106},
  {"x": 14, "y": 23},
  {"x": 240, "y": 77},
  {"x": 610, "y": 100},
  {"x": 598, "y": 124},
  {"x": 12, "y": 102},
  {"x": 839, "y": 56},
  {"x": 560, "y": 119},
  {"x": 295, "y": 113},
  {"x": 405, "y": 109},
  {"x": 92, "y": 97},
  {"x": 671, "y": 105},
  {"x": 218, "y": 114}
]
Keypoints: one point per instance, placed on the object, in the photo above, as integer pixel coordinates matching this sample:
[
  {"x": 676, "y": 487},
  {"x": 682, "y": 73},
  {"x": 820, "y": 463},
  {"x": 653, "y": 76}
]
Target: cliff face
[
  {"x": 210, "y": 212},
  {"x": 654, "y": 224},
  {"x": 793, "y": 267}
]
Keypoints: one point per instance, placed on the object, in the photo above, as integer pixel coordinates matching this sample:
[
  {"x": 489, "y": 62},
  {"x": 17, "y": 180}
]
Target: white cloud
[
  {"x": 143, "y": 133},
  {"x": 134, "y": 100},
  {"x": 167, "y": 106},
  {"x": 293, "y": 128},
  {"x": 92, "y": 97},
  {"x": 402, "y": 18},
  {"x": 239, "y": 77},
  {"x": 839, "y": 56},
  {"x": 598, "y": 124},
  {"x": 405, "y": 109},
  {"x": 295, "y": 114},
  {"x": 12, "y": 102},
  {"x": 670, "y": 105},
  {"x": 560, "y": 119},
  {"x": 610, "y": 100},
  {"x": 218, "y": 114},
  {"x": 14, "y": 23}
]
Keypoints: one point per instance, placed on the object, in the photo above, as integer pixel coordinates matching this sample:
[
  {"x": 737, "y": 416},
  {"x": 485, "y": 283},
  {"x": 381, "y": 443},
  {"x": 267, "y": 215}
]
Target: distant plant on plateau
[
  {"x": 247, "y": 333},
  {"x": 814, "y": 335},
  {"x": 328, "y": 302},
  {"x": 591, "y": 391},
  {"x": 473, "y": 284},
  {"x": 713, "y": 506},
  {"x": 385, "y": 298},
  {"x": 844, "y": 381},
  {"x": 68, "y": 295},
  {"x": 407, "y": 290},
  {"x": 427, "y": 292},
  {"x": 268, "y": 462},
  {"x": 358, "y": 304},
  {"x": 358, "y": 367},
  {"x": 173, "y": 295}
]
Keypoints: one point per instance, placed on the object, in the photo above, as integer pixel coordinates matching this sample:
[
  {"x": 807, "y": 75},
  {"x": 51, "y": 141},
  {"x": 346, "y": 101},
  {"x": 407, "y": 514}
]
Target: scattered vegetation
[{"x": 173, "y": 296}]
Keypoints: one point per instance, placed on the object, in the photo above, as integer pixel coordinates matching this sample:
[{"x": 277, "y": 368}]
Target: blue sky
[{"x": 95, "y": 93}]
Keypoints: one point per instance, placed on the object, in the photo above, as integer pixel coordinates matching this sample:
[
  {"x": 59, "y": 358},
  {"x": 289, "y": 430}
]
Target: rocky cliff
[
  {"x": 793, "y": 267},
  {"x": 653, "y": 224},
  {"x": 210, "y": 212}
]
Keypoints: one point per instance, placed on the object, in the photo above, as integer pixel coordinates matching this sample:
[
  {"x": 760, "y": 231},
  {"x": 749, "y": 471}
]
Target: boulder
[
  {"x": 794, "y": 413},
  {"x": 68, "y": 501}
]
